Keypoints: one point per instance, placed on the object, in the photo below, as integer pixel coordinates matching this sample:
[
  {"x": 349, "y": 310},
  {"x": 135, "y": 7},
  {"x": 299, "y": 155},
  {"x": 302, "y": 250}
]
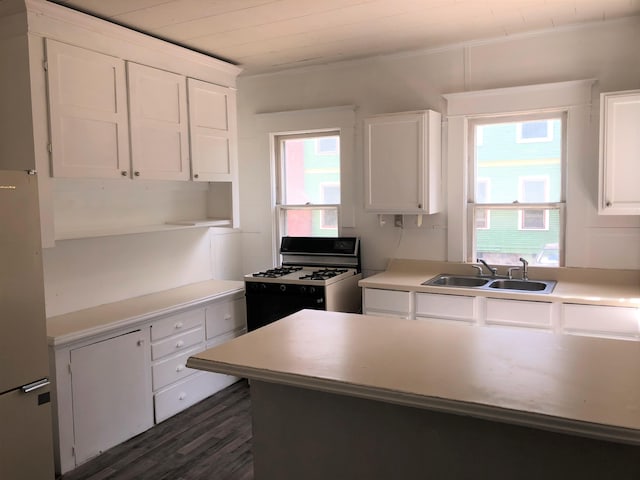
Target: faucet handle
[{"x": 511, "y": 270}]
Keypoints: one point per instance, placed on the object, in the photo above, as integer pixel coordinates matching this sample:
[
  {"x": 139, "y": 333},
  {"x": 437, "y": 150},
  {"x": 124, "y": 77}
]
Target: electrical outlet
[{"x": 398, "y": 221}]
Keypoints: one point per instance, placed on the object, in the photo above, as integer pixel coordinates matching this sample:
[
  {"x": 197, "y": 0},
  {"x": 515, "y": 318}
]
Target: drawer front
[
  {"x": 594, "y": 319},
  {"x": 173, "y": 368},
  {"x": 176, "y": 323},
  {"x": 456, "y": 307},
  {"x": 188, "y": 392},
  {"x": 387, "y": 300},
  {"x": 176, "y": 343},
  {"x": 226, "y": 316},
  {"x": 518, "y": 313}
]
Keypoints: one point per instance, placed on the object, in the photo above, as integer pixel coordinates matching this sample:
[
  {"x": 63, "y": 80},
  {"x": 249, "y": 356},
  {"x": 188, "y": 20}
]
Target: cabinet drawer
[
  {"x": 387, "y": 301},
  {"x": 600, "y": 319},
  {"x": 176, "y": 343},
  {"x": 455, "y": 307},
  {"x": 188, "y": 392},
  {"x": 518, "y": 313},
  {"x": 225, "y": 316},
  {"x": 176, "y": 323},
  {"x": 173, "y": 368}
]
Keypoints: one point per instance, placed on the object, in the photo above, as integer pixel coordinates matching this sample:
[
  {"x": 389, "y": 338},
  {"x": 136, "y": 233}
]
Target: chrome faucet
[
  {"x": 494, "y": 271},
  {"x": 525, "y": 269}
]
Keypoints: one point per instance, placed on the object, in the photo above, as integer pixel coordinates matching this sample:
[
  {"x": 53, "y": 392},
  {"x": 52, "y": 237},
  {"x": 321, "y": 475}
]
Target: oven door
[{"x": 268, "y": 302}]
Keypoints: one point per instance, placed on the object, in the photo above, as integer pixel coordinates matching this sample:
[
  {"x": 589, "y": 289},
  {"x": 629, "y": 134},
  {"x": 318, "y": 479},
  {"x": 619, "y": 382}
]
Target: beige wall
[{"x": 606, "y": 52}]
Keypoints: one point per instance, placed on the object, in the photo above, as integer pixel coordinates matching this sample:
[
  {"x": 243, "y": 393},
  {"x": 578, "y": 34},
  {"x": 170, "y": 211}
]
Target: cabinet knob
[
  {"x": 195, "y": 175},
  {"x": 419, "y": 205},
  {"x": 608, "y": 204},
  {"x": 182, "y": 396},
  {"x": 179, "y": 368},
  {"x": 179, "y": 343},
  {"x": 179, "y": 325},
  {"x": 123, "y": 173},
  {"x": 140, "y": 343},
  {"x": 137, "y": 174}
]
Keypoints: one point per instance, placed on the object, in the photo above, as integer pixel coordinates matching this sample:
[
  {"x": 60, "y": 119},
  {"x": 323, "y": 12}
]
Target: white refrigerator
[{"x": 26, "y": 442}]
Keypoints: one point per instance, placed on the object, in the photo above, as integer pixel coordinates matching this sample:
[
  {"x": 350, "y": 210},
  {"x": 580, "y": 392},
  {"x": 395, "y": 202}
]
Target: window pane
[
  {"x": 534, "y": 129},
  {"x": 305, "y": 169},
  {"x": 506, "y": 240},
  {"x": 310, "y": 222}
]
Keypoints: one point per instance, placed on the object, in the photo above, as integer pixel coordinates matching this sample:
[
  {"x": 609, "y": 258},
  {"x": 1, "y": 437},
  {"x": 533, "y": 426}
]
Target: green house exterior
[{"x": 504, "y": 160}]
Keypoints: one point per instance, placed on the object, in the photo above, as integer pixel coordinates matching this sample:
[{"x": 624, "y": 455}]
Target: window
[
  {"x": 525, "y": 204},
  {"x": 308, "y": 184}
]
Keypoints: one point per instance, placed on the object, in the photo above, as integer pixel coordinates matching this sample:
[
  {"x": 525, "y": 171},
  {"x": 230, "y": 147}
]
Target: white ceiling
[{"x": 268, "y": 35}]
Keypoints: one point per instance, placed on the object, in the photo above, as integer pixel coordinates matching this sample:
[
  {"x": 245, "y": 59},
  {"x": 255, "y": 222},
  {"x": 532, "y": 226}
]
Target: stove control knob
[
  {"x": 283, "y": 288},
  {"x": 312, "y": 289},
  {"x": 303, "y": 289},
  {"x": 262, "y": 286}
]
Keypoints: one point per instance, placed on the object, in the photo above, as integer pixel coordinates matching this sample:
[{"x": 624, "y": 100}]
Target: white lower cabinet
[
  {"x": 110, "y": 392},
  {"x": 460, "y": 308},
  {"x": 518, "y": 313},
  {"x": 601, "y": 321},
  {"x": 388, "y": 303},
  {"x": 112, "y": 387}
]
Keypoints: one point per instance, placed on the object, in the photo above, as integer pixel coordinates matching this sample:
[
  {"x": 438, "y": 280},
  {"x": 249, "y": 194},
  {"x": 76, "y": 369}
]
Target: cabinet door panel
[
  {"x": 451, "y": 307},
  {"x": 620, "y": 149},
  {"x": 518, "y": 313},
  {"x": 600, "y": 320},
  {"x": 391, "y": 301},
  {"x": 111, "y": 392},
  {"x": 88, "y": 112},
  {"x": 159, "y": 128},
  {"x": 212, "y": 123}
]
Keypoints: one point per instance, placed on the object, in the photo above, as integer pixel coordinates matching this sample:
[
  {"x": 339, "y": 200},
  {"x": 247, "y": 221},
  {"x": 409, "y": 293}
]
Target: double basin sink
[{"x": 491, "y": 283}]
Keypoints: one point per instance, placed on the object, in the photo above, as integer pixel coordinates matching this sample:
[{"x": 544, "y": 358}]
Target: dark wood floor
[{"x": 211, "y": 440}]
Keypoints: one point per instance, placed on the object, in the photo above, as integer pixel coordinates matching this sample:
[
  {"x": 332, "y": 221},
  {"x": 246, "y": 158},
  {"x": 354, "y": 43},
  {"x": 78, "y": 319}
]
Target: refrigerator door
[
  {"x": 26, "y": 452},
  {"x": 23, "y": 340}
]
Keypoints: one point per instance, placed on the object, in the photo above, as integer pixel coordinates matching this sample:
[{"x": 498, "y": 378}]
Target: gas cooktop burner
[
  {"x": 277, "y": 272},
  {"x": 323, "y": 274}
]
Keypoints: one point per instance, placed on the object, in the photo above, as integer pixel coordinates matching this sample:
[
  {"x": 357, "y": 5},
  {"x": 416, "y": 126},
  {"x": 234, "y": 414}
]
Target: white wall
[{"x": 604, "y": 51}]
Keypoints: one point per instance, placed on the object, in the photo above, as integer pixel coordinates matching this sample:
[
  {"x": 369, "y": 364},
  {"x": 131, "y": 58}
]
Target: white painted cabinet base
[{"x": 188, "y": 392}]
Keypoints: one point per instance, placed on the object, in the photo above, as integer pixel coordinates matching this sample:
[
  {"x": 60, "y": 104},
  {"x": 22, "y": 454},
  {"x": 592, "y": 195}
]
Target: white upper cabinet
[
  {"x": 619, "y": 193},
  {"x": 212, "y": 121},
  {"x": 88, "y": 113},
  {"x": 402, "y": 163},
  {"x": 158, "y": 123}
]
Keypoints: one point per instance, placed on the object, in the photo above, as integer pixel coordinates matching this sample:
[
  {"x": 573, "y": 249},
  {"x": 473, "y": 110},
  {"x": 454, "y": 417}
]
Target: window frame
[
  {"x": 474, "y": 121},
  {"x": 521, "y": 213},
  {"x": 281, "y": 208}
]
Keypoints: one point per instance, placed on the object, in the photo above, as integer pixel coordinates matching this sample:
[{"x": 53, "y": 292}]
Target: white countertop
[
  {"x": 574, "y": 285},
  {"x": 69, "y": 327},
  {"x": 579, "y": 385}
]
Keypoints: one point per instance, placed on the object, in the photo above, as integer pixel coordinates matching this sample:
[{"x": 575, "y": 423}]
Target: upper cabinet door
[
  {"x": 159, "y": 123},
  {"x": 88, "y": 113},
  {"x": 619, "y": 153},
  {"x": 402, "y": 163},
  {"x": 212, "y": 120}
]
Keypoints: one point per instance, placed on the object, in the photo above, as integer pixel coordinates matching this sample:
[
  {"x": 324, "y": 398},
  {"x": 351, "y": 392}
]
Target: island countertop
[{"x": 577, "y": 385}]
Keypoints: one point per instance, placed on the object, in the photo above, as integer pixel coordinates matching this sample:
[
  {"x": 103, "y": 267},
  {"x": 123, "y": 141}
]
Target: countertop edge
[
  {"x": 135, "y": 320},
  {"x": 485, "y": 412}
]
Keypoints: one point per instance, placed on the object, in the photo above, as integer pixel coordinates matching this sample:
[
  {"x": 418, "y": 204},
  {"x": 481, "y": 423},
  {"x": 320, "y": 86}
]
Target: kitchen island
[{"x": 338, "y": 395}]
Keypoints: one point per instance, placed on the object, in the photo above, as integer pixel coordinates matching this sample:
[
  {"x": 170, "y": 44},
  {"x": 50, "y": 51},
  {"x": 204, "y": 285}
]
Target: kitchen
[{"x": 85, "y": 272}]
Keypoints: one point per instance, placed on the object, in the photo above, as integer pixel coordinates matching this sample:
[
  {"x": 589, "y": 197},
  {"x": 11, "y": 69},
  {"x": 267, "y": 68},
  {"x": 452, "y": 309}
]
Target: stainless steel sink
[
  {"x": 484, "y": 283},
  {"x": 457, "y": 281},
  {"x": 538, "y": 286}
]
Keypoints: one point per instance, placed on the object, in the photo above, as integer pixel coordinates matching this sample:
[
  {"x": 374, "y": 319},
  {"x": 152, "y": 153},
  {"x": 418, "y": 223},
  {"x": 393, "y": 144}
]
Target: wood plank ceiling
[{"x": 269, "y": 35}]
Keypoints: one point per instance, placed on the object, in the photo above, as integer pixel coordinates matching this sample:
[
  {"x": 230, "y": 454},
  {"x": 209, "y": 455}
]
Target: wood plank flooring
[{"x": 211, "y": 440}]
